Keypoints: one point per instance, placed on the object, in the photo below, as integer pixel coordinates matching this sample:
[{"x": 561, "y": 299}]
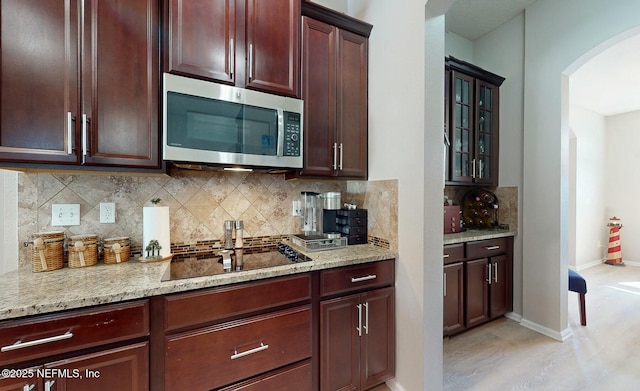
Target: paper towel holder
[{"x": 154, "y": 240}]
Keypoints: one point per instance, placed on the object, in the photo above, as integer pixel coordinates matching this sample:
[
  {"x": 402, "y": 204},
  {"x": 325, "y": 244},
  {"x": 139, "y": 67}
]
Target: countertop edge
[
  {"x": 26, "y": 294},
  {"x": 477, "y": 234}
]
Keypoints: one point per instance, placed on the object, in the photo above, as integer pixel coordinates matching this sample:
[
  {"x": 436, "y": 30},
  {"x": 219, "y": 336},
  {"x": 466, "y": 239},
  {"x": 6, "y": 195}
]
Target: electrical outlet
[
  {"x": 65, "y": 214},
  {"x": 107, "y": 212}
]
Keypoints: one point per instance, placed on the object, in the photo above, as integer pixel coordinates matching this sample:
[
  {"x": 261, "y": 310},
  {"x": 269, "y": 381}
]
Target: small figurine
[{"x": 152, "y": 247}]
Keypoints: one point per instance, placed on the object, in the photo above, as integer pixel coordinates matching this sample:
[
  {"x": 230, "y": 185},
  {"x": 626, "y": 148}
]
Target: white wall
[
  {"x": 458, "y": 47},
  {"x": 9, "y": 226},
  {"x": 620, "y": 183},
  {"x": 590, "y": 173},
  {"x": 558, "y": 38},
  {"x": 403, "y": 146},
  {"x": 502, "y": 52}
]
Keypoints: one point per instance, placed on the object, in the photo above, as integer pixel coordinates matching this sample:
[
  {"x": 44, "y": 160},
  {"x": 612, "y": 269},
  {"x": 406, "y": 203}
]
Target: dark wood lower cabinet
[
  {"x": 125, "y": 369},
  {"x": 477, "y": 296},
  {"x": 237, "y": 350},
  {"x": 453, "y": 294},
  {"x": 330, "y": 330},
  {"x": 357, "y": 340},
  {"x": 96, "y": 348},
  {"x": 478, "y": 286}
]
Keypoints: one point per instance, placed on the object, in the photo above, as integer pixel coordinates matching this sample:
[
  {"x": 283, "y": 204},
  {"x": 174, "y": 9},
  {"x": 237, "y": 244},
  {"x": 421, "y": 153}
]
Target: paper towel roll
[{"x": 156, "y": 225}]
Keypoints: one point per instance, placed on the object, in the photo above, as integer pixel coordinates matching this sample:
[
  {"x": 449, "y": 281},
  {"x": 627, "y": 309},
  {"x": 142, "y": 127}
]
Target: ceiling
[{"x": 607, "y": 84}]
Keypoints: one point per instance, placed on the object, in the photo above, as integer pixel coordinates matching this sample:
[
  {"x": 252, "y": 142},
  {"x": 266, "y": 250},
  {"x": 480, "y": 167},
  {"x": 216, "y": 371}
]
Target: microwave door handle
[{"x": 280, "y": 146}]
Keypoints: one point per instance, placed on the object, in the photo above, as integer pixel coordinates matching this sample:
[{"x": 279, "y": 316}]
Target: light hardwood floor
[{"x": 603, "y": 356}]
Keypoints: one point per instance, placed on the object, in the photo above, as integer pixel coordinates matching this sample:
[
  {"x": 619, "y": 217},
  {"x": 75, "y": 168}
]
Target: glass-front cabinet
[{"x": 473, "y": 124}]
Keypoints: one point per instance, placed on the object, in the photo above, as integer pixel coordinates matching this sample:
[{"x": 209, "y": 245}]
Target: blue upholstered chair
[{"x": 578, "y": 284}]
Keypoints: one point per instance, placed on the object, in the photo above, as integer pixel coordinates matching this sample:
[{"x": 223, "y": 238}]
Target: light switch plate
[
  {"x": 65, "y": 214},
  {"x": 107, "y": 212}
]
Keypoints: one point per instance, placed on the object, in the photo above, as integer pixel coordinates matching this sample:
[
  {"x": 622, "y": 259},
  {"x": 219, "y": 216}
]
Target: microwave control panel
[{"x": 292, "y": 128}]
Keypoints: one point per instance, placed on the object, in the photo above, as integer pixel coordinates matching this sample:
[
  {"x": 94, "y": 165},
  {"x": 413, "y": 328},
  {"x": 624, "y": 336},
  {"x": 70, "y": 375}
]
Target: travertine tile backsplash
[{"x": 199, "y": 201}]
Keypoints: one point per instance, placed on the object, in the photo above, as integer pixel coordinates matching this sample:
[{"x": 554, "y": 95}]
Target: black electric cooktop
[{"x": 211, "y": 264}]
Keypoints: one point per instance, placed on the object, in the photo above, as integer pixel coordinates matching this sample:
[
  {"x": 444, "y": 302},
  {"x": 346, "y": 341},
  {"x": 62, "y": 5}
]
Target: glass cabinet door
[
  {"x": 486, "y": 132},
  {"x": 462, "y": 128}
]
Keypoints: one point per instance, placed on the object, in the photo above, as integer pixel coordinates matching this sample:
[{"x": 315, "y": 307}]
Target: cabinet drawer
[
  {"x": 486, "y": 248},
  {"x": 48, "y": 335},
  {"x": 227, "y": 353},
  {"x": 453, "y": 253},
  {"x": 293, "y": 378},
  {"x": 352, "y": 278},
  {"x": 193, "y": 308}
]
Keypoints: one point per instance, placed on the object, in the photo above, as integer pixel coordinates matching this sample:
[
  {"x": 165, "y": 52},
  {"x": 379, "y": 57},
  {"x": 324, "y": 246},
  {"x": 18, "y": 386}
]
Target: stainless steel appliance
[
  {"x": 331, "y": 206},
  {"x": 318, "y": 222},
  {"x": 211, "y": 123}
]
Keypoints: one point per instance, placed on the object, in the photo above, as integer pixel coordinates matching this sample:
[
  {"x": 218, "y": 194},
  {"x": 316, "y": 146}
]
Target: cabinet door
[
  {"x": 500, "y": 287},
  {"x": 22, "y": 383},
  {"x": 122, "y": 369},
  {"x": 273, "y": 41},
  {"x": 453, "y": 293},
  {"x": 486, "y": 133},
  {"x": 351, "y": 103},
  {"x": 202, "y": 39},
  {"x": 462, "y": 128},
  {"x": 377, "y": 351},
  {"x": 38, "y": 81},
  {"x": 477, "y": 292},
  {"x": 318, "y": 92},
  {"x": 339, "y": 344},
  {"x": 120, "y": 79}
]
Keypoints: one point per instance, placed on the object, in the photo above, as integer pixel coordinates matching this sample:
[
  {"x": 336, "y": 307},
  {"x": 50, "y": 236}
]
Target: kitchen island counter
[
  {"x": 471, "y": 235},
  {"x": 25, "y": 293}
]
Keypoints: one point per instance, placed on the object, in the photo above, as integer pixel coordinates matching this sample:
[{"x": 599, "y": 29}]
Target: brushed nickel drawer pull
[
  {"x": 248, "y": 352},
  {"x": 492, "y": 248},
  {"x": 445, "y": 256},
  {"x": 20, "y": 344},
  {"x": 69, "y": 133},
  {"x": 444, "y": 280},
  {"x": 359, "y": 327},
  {"x": 365, "y": 278},
  {"x": 366, "y": 317}
]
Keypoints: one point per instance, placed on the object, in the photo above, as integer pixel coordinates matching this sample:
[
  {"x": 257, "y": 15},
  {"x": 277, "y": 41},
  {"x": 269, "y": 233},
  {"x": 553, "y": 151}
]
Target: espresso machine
[
  {"x": 330, "y": 208},
  {"x": 318, "y": 213}
]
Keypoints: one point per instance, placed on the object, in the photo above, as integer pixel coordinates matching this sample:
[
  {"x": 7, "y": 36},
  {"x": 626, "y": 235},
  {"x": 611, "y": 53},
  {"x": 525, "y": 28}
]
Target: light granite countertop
[
  {"x": 477, "y": 234},
  {"x": 24, "y": 293}
]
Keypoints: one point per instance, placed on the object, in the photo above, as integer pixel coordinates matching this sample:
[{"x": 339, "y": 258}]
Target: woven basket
[
  {"x": 83, "y": 250},
  {"x": 48, "y": 251},
  {"x": 114, "y": 254}
]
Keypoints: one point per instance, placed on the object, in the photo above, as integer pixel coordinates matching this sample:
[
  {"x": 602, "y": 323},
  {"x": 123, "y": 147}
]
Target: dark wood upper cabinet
[
  {"x": 334, "y": 89},
  {"x": 120, "y": 81},
  {"x": 472, "y": 123},
  {"x": 80, "y": 88},
  {"x": 246, "y": 43},
  {"x": 39, "y": 81},
  {"x": 202, "y": 36}
]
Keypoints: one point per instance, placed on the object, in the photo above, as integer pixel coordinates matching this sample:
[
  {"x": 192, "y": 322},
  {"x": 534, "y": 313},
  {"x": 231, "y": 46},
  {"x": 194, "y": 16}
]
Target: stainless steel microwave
[{"x": 221, "y": 125}]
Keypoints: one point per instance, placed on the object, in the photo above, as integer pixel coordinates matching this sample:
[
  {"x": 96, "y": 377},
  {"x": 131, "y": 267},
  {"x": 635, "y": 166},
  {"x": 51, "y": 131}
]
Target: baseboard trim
[
  {"x": 558, "y": 336},
  {"x": 599, "y": 262},
  {"x": 513, "y": 316}
]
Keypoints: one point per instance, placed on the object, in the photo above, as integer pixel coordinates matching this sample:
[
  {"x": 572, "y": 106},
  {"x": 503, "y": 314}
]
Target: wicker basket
[
  {"x": 83, "y": 250},
  {"x": 48, "y": 251},
  {"x": 116, "y": 254}
]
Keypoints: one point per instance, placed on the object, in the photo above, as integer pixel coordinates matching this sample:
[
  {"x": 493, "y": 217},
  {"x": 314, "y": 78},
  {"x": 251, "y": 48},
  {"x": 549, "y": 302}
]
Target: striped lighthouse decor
[{"x": 614, "y": 251}]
